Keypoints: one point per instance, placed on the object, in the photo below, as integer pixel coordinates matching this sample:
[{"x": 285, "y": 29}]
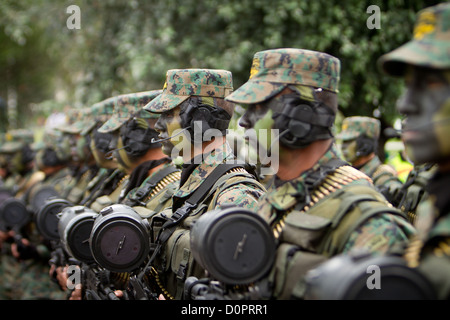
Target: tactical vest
[
  {"x": 176, "y": 263},
  {"x": 342, "y": 202}
]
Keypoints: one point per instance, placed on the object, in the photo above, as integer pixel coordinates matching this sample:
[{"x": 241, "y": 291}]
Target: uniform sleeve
[
  {"x": 242, "y": 195},
  {"x": 380, "y": 234}
]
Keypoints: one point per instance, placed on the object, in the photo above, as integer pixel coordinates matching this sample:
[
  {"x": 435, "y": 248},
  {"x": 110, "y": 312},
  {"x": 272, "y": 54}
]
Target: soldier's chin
[{"x": 422, "y": 151}]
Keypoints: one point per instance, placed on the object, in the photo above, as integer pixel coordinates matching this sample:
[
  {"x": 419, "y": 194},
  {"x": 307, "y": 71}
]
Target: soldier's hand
[{"x": 24, "y": 250}]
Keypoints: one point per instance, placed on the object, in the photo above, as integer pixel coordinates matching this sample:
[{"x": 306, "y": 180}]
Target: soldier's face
[
  {"x": 260, "y": 118},
  {"x": 426, "y": 106},
  {"x": 349, "y": 148},
  {"x": 100, "y": 147},
  {"x": 168, "y": 125}
]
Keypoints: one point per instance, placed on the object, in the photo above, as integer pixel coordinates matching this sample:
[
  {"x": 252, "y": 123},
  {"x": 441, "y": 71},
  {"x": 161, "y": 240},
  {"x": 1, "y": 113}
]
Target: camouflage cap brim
[
  {"x": 74, "y": 128},
  {"x": 255, "y": 92},
  {"x": 11, "y": 147},
  {"x": 259, "y": 91},
  {"x": 88, "y": 126},
  {"x": 164, "y": 102},
  {"x": 128, "y": 105},
  {"x": 418, "y": 53},
  {"x": 346, "y": 136},
  {"x": 114, "y": 123}
]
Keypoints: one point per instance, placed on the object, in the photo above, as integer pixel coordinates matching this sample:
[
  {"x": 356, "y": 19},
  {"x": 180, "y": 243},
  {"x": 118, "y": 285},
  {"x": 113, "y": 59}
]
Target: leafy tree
[{"x": 126, "y": 46}]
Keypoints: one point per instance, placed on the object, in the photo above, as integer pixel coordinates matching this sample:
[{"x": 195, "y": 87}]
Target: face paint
[
  {"x": 121, "y": 156},
  {"x": 100, "y": 157},
  {"x": 169, "y": 126},
  {"x": 16, "y": 163},
  {"x": 349, "y": 149},
  {"x": 426, "y": 105}
]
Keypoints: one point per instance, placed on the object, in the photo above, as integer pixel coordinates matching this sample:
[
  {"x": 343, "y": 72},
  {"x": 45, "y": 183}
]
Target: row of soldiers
[{"x": 207, "y": 228}]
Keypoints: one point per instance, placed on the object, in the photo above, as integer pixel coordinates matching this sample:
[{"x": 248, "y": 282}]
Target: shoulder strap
[{"x": 201, "y": 192}]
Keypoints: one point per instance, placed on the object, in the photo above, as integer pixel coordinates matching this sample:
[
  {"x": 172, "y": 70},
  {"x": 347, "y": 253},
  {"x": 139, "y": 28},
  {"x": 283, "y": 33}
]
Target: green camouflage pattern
[
  {"x": 16, "y": 139},
  {"x": 274, "y": 70},
  {"x": 353, "y": 127},
  {"x": 380, "y": 235},
  {"x": 432, "y": 256},
  {"x": 182, "y": 83},
  {"x": 320, "y": 227},
  {"x": 382, "y": 175},
  {"x": 235, "y": 188},
  {"x": 72, "y": 116},
  {"x": 241, "y": 195},
  {"x": 430, "y": 46},
  {"x": 77, "y": 123},
  {"x": 128, "y": 105},
  {"x": 100, "y": 112}
]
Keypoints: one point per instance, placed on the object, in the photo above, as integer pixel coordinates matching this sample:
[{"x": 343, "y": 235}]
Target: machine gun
[{"x": 96, "y": 283}]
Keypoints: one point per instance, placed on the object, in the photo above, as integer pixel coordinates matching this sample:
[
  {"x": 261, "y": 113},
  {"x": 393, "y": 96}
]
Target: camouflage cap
[
  {"x": 274, "y": 70},
  {"x": 100, "y": 112},
  {"x": 183, "y": 83},
  {"x": 70, "y": 117},
  {"x": 128, "y": 105},
  {"x": 76, "y": 121},
  {"x": 353, "y": 127},
  {"x": 16, "y": 139},
  {"x": 430, "y": 46}
]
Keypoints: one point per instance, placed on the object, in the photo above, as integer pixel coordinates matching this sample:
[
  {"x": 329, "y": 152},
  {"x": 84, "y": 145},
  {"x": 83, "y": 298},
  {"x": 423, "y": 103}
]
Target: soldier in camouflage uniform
[
  {"x": 104, "y": 183},
  {"x": 130, "y": 131},
  {"x": 191, "y": 103},
  {"x": 359, "y": 137},
  {"x": 25, "y": 266},
  {"x": 318, "y": 206},
  {"x": 424, "y": 62},
  {"x": 133, "y": 150},
  {"x": 18, "y": 165},
  {"x": 18, "y": 158}
]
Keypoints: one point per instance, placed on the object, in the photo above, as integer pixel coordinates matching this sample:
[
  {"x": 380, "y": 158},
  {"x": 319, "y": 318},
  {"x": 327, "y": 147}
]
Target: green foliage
[{"x": 127, "y": 46}]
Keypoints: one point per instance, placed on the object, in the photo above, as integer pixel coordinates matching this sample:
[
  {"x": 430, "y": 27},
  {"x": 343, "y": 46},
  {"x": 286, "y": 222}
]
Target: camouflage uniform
[
  {"x": 136, "y": 188},
  {"x": 237, "y": 187},
  {"x": 28, "y": 278},
  {"x": 18, "y": 163},
  {"x": 328, "y": 209},
  {"x": 429, "y": 48},
  {"x": 384, "y": 176},
  {"x": 107, "y": 174}
]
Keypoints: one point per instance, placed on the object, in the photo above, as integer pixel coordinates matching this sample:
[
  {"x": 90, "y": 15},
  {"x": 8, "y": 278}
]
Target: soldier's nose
[{"x": 245, "y": 122}]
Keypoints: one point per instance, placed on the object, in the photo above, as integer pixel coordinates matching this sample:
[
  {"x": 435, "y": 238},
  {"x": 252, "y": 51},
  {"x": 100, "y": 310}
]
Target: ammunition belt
[
  {"x": 170, "y": 178},
  {"x": 412, "y": 252}
]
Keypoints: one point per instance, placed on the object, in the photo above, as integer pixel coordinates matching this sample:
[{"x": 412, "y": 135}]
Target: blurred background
[{"x": 127, "y": 46}]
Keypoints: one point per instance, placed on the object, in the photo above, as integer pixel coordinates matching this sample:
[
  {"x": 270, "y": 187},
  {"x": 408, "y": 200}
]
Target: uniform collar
[
  {"x": 283, "y": 195},
  {"x": 371, "y": 166}
]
